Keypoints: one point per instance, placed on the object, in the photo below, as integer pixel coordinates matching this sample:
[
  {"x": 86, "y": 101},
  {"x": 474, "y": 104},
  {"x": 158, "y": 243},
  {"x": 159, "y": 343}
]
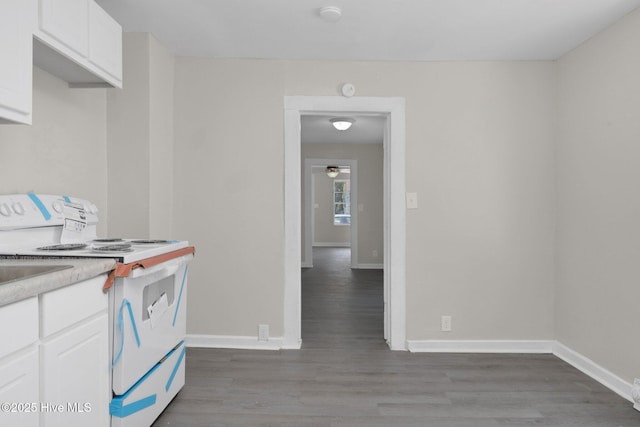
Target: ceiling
[
  {"x": 412, "y": 30},
  {"x": 377, "y": 30},
  {"x": 367, "y": 129}
]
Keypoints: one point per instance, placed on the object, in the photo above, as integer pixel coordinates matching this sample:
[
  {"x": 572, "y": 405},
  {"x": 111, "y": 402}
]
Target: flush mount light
[
  {"x": 342, "y": 123},
  {"x": 330, "y": 13},
  {"x": 333, "y": 171}
]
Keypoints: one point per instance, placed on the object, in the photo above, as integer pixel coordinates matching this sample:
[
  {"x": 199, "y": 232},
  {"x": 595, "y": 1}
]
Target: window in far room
[{"x": 341, "y": 202}]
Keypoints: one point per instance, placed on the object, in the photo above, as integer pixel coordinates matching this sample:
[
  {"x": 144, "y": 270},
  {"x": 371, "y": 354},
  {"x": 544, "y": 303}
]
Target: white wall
[
  {"x": 479, "y": 153},
  {"x": 64, "y": 151},
  {"x": 161, "y": 140},
  {"x": 481, "y": 245},
  {"x": 228, "y": 187},
  {"x": 140, "y": 135},
  {"x": 128, "y": 136},
  {"x": 598, "y": 291}
]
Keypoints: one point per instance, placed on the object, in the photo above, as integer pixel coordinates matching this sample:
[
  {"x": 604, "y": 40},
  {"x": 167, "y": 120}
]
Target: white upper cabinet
[
  {"x": 66, "y": 25},
  {"x": 79, "y": 42},
  {"x": 75, "y": 40},
  {"x": 17, "y": 22},
  {"x": 105, "y": 42}
]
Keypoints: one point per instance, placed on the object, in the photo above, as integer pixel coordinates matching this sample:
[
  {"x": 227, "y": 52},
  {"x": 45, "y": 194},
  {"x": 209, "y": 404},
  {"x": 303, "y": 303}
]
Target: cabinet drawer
[
  {"x": 66, "y": 306},
  {"x": 19, "y": 325}
]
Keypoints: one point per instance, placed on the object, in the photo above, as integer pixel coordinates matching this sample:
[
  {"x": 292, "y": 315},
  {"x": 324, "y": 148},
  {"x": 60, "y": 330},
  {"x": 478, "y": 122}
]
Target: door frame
[
  {"x": 310, "y": 211},
  {"x": 394, "y": 208}
]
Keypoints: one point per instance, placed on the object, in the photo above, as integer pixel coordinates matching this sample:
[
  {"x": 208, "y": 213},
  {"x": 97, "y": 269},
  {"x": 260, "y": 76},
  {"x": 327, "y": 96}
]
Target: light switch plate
[{"x": 412, "y": 200}]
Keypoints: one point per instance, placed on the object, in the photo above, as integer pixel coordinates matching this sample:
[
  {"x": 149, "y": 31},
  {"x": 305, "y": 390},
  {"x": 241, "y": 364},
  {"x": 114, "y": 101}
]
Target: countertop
[{"x": 82, "y": 269}]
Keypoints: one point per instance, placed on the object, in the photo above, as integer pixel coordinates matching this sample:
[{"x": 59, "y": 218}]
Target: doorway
[
  {"x": 394, "y": 209},
  {"x": 310, "y": 210}
]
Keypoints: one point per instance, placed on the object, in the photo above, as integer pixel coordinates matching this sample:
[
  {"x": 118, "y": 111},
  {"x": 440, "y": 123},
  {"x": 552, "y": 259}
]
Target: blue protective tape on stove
[
  {"x": 133, "y": 323},
  {"x": 121, "y": 329},
  {"x": 43, "y": 210},
  {"x": 117, "y": 408},
  {"x": 184, "y": 279},
  {"x": 175, "y": 368},
  {"x": 66, "y": 199}
]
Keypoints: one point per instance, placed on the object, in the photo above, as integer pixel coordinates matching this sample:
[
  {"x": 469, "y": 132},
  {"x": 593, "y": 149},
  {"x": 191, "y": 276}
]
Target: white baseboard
[
  {"x": 236, "y": 342},
  {"x": 370, "y": 266},
  {"x": 595, "y": 371},
  {"x": 332, "y": 244},
  {"x": 480, "y": 346}
]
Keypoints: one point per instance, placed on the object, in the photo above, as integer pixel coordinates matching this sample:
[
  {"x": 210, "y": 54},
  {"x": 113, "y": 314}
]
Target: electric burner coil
[{"x": 63, "y": 247}]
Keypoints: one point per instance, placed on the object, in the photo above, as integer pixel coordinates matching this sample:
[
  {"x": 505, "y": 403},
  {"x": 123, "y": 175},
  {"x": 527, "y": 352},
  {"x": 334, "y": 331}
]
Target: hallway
[{"x": 341, "y": 307}]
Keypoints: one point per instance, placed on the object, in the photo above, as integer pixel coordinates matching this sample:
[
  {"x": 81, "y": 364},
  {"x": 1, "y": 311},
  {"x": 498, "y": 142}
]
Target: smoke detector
[{"x": 330, "y": 13}]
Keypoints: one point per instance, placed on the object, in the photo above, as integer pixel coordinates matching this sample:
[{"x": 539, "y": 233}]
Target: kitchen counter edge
[{"x": 82, "y": 269}]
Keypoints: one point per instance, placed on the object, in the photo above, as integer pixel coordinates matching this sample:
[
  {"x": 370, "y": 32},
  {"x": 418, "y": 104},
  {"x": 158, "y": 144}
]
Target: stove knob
[
  {"x": 57, "y": 206},
  {"x": 18, "y": 208},
  {"x": 92, "y": 209},
  {"x": 4, "y": 210}
]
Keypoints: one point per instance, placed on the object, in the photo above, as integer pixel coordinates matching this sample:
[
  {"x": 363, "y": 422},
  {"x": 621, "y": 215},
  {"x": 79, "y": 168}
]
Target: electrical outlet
[
  {"x": 374, "y": 253},
  {"x": 445, "y": 323},
  {"x": 263, "y": 332}
]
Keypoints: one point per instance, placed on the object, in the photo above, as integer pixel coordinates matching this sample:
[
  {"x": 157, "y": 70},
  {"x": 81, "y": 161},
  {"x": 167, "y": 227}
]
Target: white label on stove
[
  {"x": 75, "y": 224},
  {"x": 157, "y": 309}
]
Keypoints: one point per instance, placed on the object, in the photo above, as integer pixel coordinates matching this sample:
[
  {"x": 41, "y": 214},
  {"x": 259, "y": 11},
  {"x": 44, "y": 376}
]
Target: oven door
[{"x": 149, "y": 319}]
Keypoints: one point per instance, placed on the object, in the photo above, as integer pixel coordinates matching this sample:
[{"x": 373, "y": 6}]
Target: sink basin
[{"x": 19, "y": 272}]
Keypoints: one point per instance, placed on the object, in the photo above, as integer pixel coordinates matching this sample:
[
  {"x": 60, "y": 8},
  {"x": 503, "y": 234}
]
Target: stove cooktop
[{"x": 124, "y": 250}]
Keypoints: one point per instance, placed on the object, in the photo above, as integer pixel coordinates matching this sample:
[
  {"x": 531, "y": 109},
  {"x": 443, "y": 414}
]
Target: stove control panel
[{"x": 40, "y": 210}]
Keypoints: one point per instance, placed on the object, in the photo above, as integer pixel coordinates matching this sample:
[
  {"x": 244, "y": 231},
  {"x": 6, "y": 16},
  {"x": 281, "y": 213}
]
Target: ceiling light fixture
[
  {"x": 342, "y": 123},
  {"x": 333, "y": 171},
  {"x": 330, "y": 13}
]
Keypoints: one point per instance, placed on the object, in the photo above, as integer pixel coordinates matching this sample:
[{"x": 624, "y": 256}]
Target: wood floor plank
[{"x": 345, "y": 375}]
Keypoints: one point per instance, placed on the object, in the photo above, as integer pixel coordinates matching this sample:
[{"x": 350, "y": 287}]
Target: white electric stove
[
  {"x": 59, "y": 226},
  {"x": 147, "y": 295}
]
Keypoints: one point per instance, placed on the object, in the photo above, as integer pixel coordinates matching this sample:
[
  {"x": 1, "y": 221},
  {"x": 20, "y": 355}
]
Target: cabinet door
[
  {"x": 17, "y": 21},
  {"x": 19, "y": 387},
  {"x": 67, "y": 23},
  {"x": 105, "y": 42},
  {"x": 76, "y": 375}
]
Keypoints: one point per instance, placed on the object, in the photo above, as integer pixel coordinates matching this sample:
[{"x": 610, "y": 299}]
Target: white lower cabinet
[
  {"x": 74, "y": 355},
  {"x": 54, "y": 358},
  {"x": 19, "y": 389},
  {"x": 19, "y": 373},
  {"x": 75, "y": 375}
]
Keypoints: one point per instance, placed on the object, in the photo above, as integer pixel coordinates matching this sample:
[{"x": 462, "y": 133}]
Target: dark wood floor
[{"x": 345, "y": 375}]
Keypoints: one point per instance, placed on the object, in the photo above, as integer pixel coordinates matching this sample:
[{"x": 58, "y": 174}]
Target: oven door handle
[
  {"x": 168, "y": 268},
  {"x": 149, "y": 266}
]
